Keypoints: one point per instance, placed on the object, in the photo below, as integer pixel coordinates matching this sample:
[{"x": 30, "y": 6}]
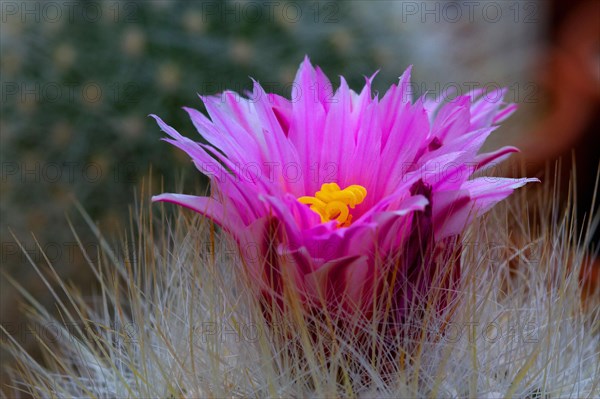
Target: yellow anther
[{"x": 331, "y": 202}]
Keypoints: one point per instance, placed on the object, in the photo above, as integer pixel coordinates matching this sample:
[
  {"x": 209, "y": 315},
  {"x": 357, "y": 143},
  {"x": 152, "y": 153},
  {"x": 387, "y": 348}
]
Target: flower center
[{"x": 331, "y": 202}]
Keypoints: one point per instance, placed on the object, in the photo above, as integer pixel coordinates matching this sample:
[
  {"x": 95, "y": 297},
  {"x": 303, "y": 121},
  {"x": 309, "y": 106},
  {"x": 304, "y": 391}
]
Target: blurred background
[{"x": 79, "y": 78}]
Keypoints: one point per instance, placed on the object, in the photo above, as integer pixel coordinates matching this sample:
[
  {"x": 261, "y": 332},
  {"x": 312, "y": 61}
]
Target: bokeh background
[{"x": 79, "y": 78}]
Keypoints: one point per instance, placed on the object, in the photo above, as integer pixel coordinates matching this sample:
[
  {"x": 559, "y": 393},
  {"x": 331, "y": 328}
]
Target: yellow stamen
[{"x": 331, "y": 202}]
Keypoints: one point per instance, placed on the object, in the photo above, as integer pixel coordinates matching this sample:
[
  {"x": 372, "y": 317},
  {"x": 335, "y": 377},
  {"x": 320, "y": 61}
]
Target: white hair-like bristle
[{"x": 174, "y": 319}]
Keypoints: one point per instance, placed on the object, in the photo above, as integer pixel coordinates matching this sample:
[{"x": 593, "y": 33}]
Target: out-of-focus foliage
[{"x": 79, "y": 81}]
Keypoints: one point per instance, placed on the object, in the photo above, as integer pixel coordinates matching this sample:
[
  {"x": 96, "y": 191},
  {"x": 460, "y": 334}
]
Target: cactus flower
[{"x": 336, "y": 191}]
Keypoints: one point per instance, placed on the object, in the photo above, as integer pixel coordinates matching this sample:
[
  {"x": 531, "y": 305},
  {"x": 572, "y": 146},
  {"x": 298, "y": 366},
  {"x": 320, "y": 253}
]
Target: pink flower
[{"x": 338, "y": 192}]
